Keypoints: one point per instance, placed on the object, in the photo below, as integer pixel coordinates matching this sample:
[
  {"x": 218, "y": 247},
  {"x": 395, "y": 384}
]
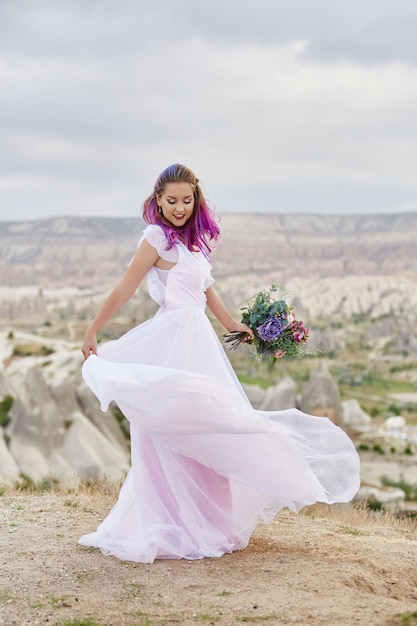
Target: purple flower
[{"x": 271, "y": 329}]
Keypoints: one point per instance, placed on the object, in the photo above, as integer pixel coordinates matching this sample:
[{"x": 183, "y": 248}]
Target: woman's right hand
[{"x": 90, "y": 345}]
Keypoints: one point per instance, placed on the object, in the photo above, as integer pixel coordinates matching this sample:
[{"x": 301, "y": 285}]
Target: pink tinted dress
[{"x": 206, "y": 467}]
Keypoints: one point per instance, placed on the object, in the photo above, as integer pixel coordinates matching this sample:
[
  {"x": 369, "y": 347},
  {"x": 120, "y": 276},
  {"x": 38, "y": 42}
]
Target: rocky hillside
[
  {"x": 352, "y": 279},
  {"x": 61, "y": 251},
  {"x": 81, "y": 251},
  {"x": 319, "y": 245}
]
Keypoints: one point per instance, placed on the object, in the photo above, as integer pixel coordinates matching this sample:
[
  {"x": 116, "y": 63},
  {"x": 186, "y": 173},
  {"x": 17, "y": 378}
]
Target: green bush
[
  {"x": 31, "y": 349},
  {"x": 410, "y": 489},
  {"x": 122, "y": 421},
  {"x": 6, "y": 404},
  {"x": 373, "y": 504}
]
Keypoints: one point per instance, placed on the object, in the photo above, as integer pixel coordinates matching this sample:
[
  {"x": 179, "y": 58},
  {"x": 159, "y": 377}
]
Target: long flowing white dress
[{"x": 206, "y": 466}]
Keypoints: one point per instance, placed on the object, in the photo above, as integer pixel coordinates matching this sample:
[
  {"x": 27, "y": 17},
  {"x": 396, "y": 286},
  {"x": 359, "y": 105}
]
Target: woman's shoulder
[
  {"x": 157, "y": 238},
  {"x": 154, "y": 233},
  {"x": 154, "y": 228}
]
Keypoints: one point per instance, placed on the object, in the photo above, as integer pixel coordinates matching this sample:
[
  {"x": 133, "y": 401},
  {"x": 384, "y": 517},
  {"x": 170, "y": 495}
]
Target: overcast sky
[{"x": 278, "y": 106}]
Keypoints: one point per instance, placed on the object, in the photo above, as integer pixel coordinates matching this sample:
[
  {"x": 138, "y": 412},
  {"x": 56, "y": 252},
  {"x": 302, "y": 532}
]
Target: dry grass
[
  {"x": 360, "y": 516},
  {"x": 48, "y": 484},
  {"x": 351, "y": 514}
]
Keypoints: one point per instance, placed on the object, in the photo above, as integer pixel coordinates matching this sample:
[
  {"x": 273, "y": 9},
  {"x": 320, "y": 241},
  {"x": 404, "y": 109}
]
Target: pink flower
[
  {"x": 278, "y": 354},
  {"x": 299, "y": 332},
  {"x": 290, "y": 317}
]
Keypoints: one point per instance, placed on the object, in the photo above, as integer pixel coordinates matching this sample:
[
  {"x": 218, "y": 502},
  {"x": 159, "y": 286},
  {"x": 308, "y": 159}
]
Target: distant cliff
[{"x": 83, "y": 251}]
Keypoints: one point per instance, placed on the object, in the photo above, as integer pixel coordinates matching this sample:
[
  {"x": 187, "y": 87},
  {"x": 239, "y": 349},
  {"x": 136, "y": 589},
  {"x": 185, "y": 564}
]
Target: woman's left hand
[{"x": 242, "y": 328}]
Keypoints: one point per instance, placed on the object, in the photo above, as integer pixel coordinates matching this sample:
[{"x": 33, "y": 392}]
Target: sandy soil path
[{"x": 302, "y": 569}]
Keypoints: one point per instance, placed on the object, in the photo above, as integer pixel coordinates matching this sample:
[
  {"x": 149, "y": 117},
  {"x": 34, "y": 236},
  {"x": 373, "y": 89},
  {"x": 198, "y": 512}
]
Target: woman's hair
[{"x": 202, "y": 226}]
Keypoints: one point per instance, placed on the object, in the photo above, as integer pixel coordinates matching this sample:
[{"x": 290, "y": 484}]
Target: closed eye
[{"x": 174, "y": 200}]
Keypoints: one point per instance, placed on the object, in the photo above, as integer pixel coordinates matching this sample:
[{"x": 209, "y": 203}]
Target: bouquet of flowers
[{"x": 276, "y": 332}]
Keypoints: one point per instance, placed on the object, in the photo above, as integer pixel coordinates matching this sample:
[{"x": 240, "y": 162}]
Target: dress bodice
[{"x": 184, "y": 285}]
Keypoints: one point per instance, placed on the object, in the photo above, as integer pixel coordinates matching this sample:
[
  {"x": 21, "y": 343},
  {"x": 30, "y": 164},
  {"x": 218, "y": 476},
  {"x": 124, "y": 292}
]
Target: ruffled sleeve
[
  {"x": 155, "y": 236},
  {"x": 209, "y": 281}
]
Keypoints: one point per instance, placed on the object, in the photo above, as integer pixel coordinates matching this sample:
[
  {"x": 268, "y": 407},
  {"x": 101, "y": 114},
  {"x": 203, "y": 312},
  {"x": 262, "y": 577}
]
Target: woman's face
[{"x": 177, "y": 203}]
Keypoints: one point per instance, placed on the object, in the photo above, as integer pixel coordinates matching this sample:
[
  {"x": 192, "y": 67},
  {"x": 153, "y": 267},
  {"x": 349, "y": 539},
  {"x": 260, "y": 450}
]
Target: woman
[{"x": 206, "y": 467}]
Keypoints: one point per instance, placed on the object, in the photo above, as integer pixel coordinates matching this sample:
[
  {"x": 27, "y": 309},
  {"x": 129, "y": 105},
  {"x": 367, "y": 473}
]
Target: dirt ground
[{"x": 325, "y": 566}]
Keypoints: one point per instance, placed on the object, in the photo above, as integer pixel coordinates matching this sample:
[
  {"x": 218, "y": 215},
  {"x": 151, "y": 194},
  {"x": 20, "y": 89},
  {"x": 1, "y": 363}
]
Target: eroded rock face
[
  {"x": 37, "y": 420},
  {"x": 321, "y": 396},
  {"x": 31, "y": 461},
  {"x": 354, "y": 418},
  {"x": 255, "y": 394},
  {"x": 90, "y": 453},
  {"x": 50, "y": 435},
  {"x": 105, "y": 422},
  {"x": 9, "y": 470},
  {"x": 280, "y": 397},
  {"x": 9, "y": 466},
  {"x": 5, "y": 386}
]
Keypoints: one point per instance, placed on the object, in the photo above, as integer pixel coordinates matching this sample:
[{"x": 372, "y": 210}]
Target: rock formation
[
  {"x": 321, "y": 396},
  {"x": 281, "y": 396},
  {"x": 354, "y": 418},
  {"x": 55, "y": 426}
]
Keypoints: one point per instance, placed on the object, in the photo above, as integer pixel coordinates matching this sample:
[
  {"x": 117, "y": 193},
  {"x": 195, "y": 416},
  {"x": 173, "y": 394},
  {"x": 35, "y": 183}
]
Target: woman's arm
[
  {"x": 145, "y": 257},
  {"x": 219, "y": 310}
]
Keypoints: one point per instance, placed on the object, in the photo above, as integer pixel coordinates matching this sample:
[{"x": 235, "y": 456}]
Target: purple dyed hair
[{"x": 202, "y": 226}]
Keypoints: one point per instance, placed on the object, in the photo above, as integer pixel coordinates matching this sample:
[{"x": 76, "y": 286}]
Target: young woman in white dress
[{"x": 206, "y": 466}]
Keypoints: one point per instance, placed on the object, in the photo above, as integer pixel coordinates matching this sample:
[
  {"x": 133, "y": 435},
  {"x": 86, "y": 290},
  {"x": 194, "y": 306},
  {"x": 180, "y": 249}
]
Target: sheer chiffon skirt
[{"x": 206, "y": 466}]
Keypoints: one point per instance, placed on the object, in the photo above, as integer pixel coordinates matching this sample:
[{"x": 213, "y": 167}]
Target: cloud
[
  {"x": 96, "y": 101},
  {"x": 373, "y": 31}
]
